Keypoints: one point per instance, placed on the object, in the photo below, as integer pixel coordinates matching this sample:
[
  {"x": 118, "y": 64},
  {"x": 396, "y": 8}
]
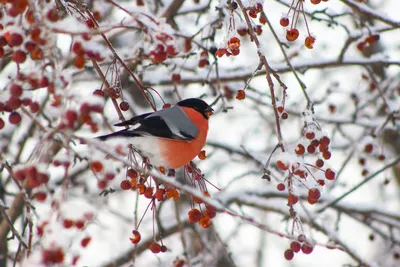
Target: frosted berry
[
  {"x": 194, "y": 215},
  {"x": 292, "y": 35},
  {"x": 19, "y": 56},
  {"x": 307, "y": 248},
  {"x": 300, "y": 149},
  {"x": 314, "y": 194},
  {"x": 282, "y": 166},
  {"x": 309, "y": 42},
  {"x": 241, "y": 95},
  {"x": 136, "y": 237}
]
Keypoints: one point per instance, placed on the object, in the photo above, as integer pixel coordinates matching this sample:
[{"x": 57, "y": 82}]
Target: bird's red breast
[{"x": 177, "y": 153}]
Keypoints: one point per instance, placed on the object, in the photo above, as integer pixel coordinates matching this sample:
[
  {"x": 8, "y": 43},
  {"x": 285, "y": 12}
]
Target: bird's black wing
[{"x": 156, "y": 126}]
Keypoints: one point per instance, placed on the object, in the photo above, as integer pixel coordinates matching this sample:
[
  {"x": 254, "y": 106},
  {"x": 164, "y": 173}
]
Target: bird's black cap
[{"x": 198, "y": 105}]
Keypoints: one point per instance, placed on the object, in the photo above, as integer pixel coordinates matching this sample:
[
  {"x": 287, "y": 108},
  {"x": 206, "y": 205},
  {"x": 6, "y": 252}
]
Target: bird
[{"x": 170, "y": 137}]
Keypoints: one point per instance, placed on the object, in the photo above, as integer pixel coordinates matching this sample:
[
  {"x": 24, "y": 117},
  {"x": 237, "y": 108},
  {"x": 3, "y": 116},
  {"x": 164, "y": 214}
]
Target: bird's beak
[{"x": 209, "y": 112}]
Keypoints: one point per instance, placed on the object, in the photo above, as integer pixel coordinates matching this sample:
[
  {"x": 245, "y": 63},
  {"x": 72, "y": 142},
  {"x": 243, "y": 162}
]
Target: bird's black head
[{"x": 198, "y": 105}]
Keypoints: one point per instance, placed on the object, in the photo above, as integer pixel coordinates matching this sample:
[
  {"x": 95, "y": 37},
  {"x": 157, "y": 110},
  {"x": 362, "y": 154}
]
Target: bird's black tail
[{"x": 122, "y": 133}]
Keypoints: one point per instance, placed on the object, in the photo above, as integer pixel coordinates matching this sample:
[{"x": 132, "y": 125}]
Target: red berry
[
  {"x": 302, "y": 238},
  {"x": 194, "y": 215},
  {"x": 292, "y": 199},
  {"x": 124, "y": 106},
  {"x": 281, "y": 187},
  {"x": 300, "y": 149},
  {"x": 295, "y": 246},
  {"x": 79, "y": 224},
  {"x": 71, "y": 116},
  {"x": 315, "y": 2},
  {"x": 136, "y": 237},
  {"x": 52, "y": 256},
  {"x": 326, "y": 155},
  {"x": 19, "y": 56},
  {"x": 155, "y": 248},
  {"x": 14, "y": 118},
  {"x": 292, "y": 35},
  {"x": 311, "y": 149},
  {"x": 289, "y": 254},
  {"x": 253, "y": 13},
  {"x": 16, "y": 90},
  {"x": 309, "y": 42},
  {"x": 14, "y": 102},
  {"x": 368, "y": 148},
  {"x": 329, "y": 174},
  {"x": 96, "y": 166},
  {"x": 314, "y": 194},
  {"x": 125, "y": 185},
  {"x": 284, "y": 22},
  {"x": 41, "y": 196},
  {"x": 34, "y": 107},
  {"x": 102, "y": 184},
  {"x": 319, "y": 163},
  {"x": 1, "y": 123},
  {"x": 131, "y": 173},
  {"x": 67, "y": 223},
  {"x": 307, "y": 248},
  {"x": 325, "y": 141},
  {"x": 163, "y": 248},
  {"x": 282, "y": 166},
  {"x": 176, "y": 77},
  {"x": 14, "y": 39},
  {"x": 85, "y": 241},
  {"x": 241, "y": 94},
  {"x": 284, "y": 116},
  {"x": 310, "y": 135}
]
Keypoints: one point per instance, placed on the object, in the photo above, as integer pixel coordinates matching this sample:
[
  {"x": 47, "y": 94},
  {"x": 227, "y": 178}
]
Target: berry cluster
[
  {"x": 293, "y": 33},
  {"x": 233, "y": 48},
  {"x": 103, "y": 176},
  {"x": 205, "y": 212},
  {"x": 55, "y": 254},
  {"x": 164, "y": 47},
  {"x": 302, "y": 243},
  {"x": 31, "y": 176},
  {"x": 84, "y": 49}
]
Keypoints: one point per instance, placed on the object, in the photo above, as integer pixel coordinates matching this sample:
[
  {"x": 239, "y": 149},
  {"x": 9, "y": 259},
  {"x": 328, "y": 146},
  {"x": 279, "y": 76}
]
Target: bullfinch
[{"x": 170, "y": 137}]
